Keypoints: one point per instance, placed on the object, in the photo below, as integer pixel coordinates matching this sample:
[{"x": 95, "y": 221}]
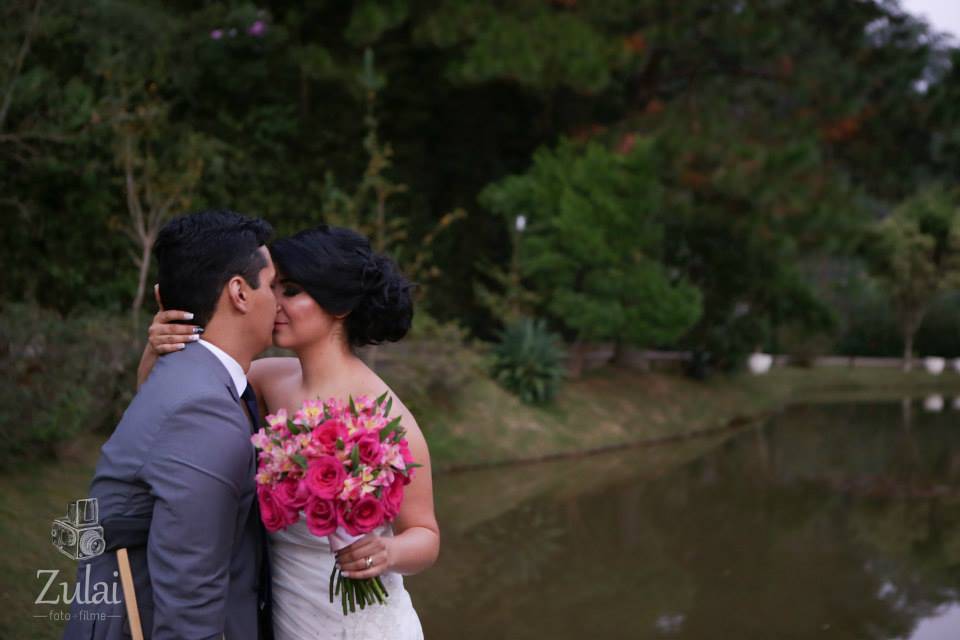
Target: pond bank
[
  {"x": 614, "y": 408},
  {"x": 481, "y": 426}
]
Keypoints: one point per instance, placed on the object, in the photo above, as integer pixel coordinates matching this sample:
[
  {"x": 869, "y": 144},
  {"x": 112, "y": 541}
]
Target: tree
[
  {"x": 366, "y": 209},
  {"x": 162, "y": 165},
  {"x": 592, "y": 245},
  {"x": 160, "y": 159},
  {"x": 915, "y": 255}
]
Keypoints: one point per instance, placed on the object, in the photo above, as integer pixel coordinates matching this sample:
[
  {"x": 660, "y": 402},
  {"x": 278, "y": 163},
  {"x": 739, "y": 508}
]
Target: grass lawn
[
  {"x": 483, "y": 424},
  {"x": 30, "y": 498}
]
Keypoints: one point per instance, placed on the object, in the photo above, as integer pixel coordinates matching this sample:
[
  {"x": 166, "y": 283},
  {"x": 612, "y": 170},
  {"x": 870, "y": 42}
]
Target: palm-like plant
[{"x": 528, "y": 361}]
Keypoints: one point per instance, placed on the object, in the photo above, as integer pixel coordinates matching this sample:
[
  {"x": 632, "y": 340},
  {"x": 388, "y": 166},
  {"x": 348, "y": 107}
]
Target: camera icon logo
[{"x": 78, "y": 535}]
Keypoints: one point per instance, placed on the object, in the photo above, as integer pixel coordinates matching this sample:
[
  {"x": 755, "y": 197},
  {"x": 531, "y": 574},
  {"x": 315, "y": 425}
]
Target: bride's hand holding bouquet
[{"x": 344, "y": 467}]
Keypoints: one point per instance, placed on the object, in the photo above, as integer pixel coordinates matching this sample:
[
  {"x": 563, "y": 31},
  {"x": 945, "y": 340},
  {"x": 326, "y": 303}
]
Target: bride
[{"x": 333, "y": 293}]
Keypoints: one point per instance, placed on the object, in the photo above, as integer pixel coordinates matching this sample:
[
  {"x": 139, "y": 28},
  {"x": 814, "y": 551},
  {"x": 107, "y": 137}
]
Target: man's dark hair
[{"x": 199, "y": 253}]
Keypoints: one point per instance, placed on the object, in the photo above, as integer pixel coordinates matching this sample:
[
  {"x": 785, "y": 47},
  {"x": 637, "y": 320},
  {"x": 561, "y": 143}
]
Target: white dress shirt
[{"x": 232, "y": 366}]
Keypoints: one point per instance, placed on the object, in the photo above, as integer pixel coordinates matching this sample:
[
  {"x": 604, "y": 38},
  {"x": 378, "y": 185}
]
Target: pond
[{"x": 828, "y": 521}]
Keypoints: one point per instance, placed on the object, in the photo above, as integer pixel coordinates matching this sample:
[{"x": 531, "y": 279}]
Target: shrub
[
  {"x": 528, "y": 361},
  {"x": 432, "y": 364},
  {"x": 63, "y": 375}
]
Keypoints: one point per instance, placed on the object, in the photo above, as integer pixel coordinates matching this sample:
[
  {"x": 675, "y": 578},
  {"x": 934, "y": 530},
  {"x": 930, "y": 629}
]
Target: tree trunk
[
  {"x": 908, "y": 350},
  {"x": 22, "y": 53},
  {"x": 619, "y": 355},
  {"x": 575, "y": 365},
  {"x": 141, "y": 284},
  {"x": 304, "y": 95}
]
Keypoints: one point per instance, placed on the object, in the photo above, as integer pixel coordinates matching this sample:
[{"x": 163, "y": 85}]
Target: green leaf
[{"x": 300, "y": 460}]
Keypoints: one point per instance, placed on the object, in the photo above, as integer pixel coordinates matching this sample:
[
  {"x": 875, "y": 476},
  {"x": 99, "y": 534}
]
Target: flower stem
[
  {"x": 361, "y": 595},
  {"x": 383, "y": 589}
]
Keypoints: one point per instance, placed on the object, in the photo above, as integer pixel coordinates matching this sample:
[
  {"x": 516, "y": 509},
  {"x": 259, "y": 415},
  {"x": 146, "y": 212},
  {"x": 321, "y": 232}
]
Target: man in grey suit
[{"x": 175, "y": 481}]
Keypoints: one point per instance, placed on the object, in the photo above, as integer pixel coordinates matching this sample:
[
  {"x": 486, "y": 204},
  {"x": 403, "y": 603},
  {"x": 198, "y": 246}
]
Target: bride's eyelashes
[{"x": 289, "y": 291}]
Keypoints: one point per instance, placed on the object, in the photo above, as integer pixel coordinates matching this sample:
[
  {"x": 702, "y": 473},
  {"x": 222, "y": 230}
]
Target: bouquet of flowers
[{"x": 344, "y": 467}]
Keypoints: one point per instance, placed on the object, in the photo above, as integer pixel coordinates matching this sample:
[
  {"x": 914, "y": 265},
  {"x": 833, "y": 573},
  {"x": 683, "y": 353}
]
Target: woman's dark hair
[
  {"x": 338, "y": 269},
  {"x": 197, "y": 254}
]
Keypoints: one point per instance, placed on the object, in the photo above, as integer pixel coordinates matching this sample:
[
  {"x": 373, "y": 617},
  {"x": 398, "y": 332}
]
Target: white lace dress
[{"x": 300, "y": 565}]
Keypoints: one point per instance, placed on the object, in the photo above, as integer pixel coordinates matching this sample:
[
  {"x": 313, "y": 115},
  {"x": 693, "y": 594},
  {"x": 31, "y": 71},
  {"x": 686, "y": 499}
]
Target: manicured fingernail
[
  {"x": 188, "y": 316},
  {"x": 345, "y": 574},
  {"x": 198, "y": 329},
  {"x": 182, "y": 346},
  {"x": 194, "y": 338}
]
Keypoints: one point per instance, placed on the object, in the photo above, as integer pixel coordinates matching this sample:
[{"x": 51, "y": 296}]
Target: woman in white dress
[{"x": 333, "y": 293}]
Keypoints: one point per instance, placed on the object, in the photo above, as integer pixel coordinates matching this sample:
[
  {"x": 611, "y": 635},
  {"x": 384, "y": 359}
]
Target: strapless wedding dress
[{"x": 300, "y": 565}]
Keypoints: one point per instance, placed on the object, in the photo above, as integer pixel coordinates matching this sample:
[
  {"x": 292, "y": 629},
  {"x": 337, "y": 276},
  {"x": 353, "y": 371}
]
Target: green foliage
[
  {"x": 915, "y": 255},
  {"x": 745, "y": 213},
  {"x": 591, "y": 248},
  {"x": 369, "y": 208},
  {"x": 774, "y": 124},
  {"x": 432, "y": 365},
  {"x": 528, "y": 361},
  {"x": 529, "y": 44},
  {"x": 63, "y": 376},
  {"x": 372, "y": 18}
]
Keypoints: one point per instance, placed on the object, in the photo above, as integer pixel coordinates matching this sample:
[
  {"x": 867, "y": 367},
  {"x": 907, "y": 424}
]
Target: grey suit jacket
[{"x": 182, "y": 458}]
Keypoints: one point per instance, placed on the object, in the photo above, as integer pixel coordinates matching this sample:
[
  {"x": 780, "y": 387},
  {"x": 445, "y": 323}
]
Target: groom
[{"x": 175, "y": 481}]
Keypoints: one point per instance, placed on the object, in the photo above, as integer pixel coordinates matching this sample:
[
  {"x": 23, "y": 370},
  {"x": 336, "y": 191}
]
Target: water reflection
[{"x": 834, "y": 521}]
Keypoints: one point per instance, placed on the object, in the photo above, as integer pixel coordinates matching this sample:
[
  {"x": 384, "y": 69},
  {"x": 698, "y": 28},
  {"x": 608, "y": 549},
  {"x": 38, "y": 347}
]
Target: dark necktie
[
  {"x": 250, "y": 401},
  {"x": 264, "y": 616}
]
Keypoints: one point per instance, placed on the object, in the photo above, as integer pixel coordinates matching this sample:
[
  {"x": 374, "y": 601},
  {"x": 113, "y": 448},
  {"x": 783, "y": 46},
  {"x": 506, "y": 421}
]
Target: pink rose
[
  {"x": 363, "y": 516},
  {"x": 325, "y": 477},
  {"x": 291, "y": 494},
  {"x": 369, "y": 446},
  {"x": 275, "y": 517},
  {"x": 322, "y": 519},
  {"x": 393, "y": 497},
  {"x": 325, "y": 436}
]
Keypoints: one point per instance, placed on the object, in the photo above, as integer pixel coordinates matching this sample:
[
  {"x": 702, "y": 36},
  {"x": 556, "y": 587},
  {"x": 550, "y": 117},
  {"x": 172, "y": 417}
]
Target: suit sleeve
[{"x": 196, "y": 472}]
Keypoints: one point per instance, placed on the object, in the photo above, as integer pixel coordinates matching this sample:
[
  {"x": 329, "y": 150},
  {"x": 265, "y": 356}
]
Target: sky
[{"x": 943, "y": 15}]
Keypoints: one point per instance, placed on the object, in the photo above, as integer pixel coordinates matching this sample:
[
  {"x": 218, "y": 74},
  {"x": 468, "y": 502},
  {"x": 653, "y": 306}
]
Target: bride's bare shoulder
[
  {"x": 267, "y": 371},
  {"x": 398, "y": 408}
]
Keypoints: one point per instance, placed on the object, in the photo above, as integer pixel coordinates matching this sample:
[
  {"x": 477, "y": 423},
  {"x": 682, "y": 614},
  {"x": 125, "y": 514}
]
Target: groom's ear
[
  {"x": 238, "y": 293},
  {"x": 156, "y": 296}
]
